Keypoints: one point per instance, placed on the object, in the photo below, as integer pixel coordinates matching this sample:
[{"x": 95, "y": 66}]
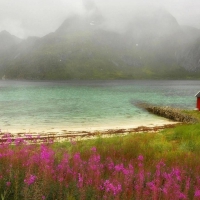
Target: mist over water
[{"x": 85, "y": 104}]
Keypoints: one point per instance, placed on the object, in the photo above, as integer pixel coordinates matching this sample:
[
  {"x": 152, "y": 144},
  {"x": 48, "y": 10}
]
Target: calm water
[{"x": 76, "y": 104}]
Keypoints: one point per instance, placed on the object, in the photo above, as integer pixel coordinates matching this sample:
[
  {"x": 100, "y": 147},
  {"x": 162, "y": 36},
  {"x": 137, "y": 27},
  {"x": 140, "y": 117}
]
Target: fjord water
[{"x": 88, "y": 104}]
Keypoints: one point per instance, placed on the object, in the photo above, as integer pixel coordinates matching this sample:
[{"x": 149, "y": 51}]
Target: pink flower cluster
[
  {"x": 56, "y": 173},
  {"x": 30, "y": 180}
]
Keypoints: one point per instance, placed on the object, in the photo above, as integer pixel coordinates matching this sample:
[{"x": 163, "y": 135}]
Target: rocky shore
[{"x": 169, "y": 113}]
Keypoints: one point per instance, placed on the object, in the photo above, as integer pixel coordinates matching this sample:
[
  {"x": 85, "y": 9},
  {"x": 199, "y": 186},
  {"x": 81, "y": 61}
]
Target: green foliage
[
  {"x": 186, "y": 132},
  {"x": 186, "y": 137},
  {"x": 172, "y": 145},
  {"x": 175, "y": 148},
  {"x": 90, "y": 55}
]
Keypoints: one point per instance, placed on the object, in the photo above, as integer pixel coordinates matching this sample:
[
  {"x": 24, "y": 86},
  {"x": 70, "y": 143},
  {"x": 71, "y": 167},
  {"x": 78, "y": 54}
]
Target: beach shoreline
[
  {"x": 78, "y": 129},
  {"x": 60, "y": 135}
]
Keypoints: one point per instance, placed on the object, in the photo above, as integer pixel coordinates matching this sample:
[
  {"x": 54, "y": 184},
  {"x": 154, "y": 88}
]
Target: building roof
[{"x": 198, "y": 94}]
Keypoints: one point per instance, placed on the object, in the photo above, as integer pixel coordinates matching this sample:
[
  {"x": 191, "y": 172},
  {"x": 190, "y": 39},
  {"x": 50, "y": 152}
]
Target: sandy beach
[
  {"x": 59, "y": 134},
  {"x": 60, "y": 129}
]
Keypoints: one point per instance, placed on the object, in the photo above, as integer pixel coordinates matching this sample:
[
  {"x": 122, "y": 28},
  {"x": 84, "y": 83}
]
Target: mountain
[
  {"x": 189, "y": 51},
  {"x": 7, "y": 41},
  {"x": 151, "y": 46}
]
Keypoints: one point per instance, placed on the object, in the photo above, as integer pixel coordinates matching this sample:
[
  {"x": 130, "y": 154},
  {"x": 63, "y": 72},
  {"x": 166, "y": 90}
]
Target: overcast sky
[{"x": 25, "y": 18}]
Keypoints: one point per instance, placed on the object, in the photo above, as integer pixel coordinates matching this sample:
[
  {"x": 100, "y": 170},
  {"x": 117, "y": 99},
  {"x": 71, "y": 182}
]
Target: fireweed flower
[
  {"x": 77, "y": 157},
  {"x": 114, "y": 188},
  {"x": 109, "y": 163},
  {"x": 8, "y": 184},
  {"x": 94, "y": 149},
  {"x": 197, "y": 193},
  {"x": 6, "y": 135},
  {"x": 80, "y": 180},
  {"x": 30, "y": 180},
  {"x": 140, "y": 158},
  {"x": 119, "y": 167},
  {"x": 19, "y": 141},
  {"x": 182, "y": 196},
  {"x": 46, "y": 155}
]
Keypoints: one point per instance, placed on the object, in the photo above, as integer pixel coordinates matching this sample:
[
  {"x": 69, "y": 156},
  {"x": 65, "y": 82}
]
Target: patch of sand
[
  {"x": 47, "y": 134},
  {"x": 92, "y": 128}
]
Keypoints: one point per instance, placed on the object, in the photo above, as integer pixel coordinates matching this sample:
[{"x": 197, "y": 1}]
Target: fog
[{"x": 38, "y": 18}]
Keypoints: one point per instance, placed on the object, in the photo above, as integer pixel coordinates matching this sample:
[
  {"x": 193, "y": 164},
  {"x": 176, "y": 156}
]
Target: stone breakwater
[{"x": 169, "y": 113}]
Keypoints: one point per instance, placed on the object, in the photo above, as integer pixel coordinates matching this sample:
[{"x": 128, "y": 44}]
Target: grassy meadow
[{"x": 142, "y": 166}]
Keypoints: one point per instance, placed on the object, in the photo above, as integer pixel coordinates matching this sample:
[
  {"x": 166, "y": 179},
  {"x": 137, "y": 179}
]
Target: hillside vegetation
[{"x": 153, "y": 47}]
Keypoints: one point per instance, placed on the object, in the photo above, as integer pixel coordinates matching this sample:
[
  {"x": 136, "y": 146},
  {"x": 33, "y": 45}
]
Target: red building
[{"x": 198, "y": 100}]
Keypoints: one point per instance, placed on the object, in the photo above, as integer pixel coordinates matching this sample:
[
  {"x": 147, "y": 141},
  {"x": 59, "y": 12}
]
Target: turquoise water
[{"x": 74, "y": 104}]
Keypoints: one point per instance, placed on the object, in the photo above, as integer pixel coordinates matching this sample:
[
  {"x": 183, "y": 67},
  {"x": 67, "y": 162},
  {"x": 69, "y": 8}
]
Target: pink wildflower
[
  {"x": 19, "y": 141},
  {"x": 113, "y": 188},
  {"x": 30, "y": 180},
  {"x": 8, "y": 184},
  {"x": 119, "y": 167},
  {"x": 140, "y": 158},
  {"x": 197, "y": 193},
  {"x": 80, "y": 180},
  {"x": 94, "y": 149},
  {"x": 182, "y": 196}
]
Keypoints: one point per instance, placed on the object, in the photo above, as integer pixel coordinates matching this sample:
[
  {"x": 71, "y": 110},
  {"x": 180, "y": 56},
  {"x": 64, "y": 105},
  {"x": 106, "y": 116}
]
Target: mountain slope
[
  {"x": 151, "y": 47},
  {"x": 7, "y": 41}
]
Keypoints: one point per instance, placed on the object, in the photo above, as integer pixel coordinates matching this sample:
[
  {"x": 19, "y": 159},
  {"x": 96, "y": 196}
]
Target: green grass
[
  {"x": 193, "y": 113},
  {"x": 85, "y": 169},
  {"x": 173, "y": 145}
]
